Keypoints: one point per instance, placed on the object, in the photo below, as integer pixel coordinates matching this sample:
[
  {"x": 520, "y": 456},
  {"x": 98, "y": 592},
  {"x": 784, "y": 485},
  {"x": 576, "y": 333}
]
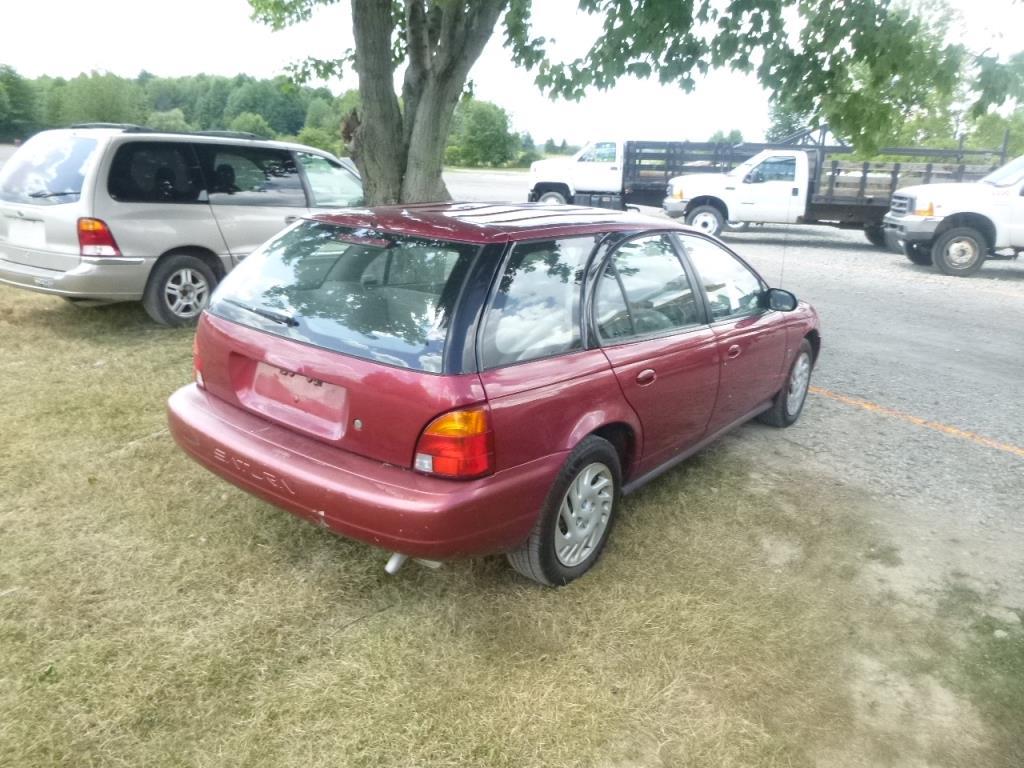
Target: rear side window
[
  {"x": 388, "y": 299},
  {"x": 332, "y": 185},
  {"x": 48, "y": 170},
  {"x": 535, "y": 310},
  {"x": 155, "y": 172},
  {"x": 251, "y": 176}
]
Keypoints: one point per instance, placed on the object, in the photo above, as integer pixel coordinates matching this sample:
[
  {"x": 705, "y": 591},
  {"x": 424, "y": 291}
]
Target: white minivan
[{"x": 105, "y": 213}]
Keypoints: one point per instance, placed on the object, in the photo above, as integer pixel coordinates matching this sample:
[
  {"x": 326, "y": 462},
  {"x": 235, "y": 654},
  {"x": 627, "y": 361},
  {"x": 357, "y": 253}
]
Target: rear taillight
[
  {"x": 458, "y": 444},
  {"x": 197, "y": 364},
  {"x": 95, "y": 239}
]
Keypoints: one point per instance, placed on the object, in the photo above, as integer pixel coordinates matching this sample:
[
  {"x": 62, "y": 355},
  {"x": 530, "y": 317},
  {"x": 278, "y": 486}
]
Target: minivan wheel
[
  {"x": 178, "y": 290},
  {"x": 788, "y": 402},
  {"x": 576, "y": 518}
]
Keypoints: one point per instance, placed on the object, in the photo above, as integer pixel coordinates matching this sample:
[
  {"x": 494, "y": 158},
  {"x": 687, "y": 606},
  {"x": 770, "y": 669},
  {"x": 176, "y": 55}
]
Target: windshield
[
  {"x": 48, "y": 170},
  {"x": 1008, "y": 175},
  {"x": 743, "y": 168},
  {"x": 371, "y": 295}
]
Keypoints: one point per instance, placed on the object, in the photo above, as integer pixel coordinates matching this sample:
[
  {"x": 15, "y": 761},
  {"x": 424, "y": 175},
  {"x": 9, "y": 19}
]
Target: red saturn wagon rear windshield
[{"x": 378, "y": 296}]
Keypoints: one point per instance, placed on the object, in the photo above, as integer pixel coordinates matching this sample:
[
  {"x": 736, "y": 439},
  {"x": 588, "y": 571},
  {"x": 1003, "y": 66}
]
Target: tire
[
  {"x": 959, "y": 251},
  {"x": 546, "y": 556},
  {"x": 552, "y": 197},
  {"x": 788, "y": 403},
  {"x": 875, "y": 233},
  {"x": 707, "y": 219},
  {"x": 918, "y": 253},
  {"x": 178, "y": 290}
]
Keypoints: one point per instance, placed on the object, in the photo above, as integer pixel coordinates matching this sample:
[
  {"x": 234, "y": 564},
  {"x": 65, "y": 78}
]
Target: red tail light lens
[
  {"x": 95, "y": 239},
  {"x": 197, "y": 364},
  {"x": 459, "y": 444}
]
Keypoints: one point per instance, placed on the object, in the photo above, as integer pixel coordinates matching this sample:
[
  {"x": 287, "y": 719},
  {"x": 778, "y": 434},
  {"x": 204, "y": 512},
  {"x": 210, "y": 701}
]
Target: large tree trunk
[{"x": 400, "y": 151}]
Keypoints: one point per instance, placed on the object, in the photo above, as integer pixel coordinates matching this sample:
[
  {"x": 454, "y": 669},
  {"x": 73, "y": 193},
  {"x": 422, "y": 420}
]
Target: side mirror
[
  {"x": 780, "y": 300},
  {"x": 754, "y": 177}
]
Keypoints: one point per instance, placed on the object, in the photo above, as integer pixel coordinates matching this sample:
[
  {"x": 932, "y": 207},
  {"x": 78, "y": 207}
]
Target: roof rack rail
[
  {"x": 228, "y": 134},
  {"x": 122, "y": 126}
]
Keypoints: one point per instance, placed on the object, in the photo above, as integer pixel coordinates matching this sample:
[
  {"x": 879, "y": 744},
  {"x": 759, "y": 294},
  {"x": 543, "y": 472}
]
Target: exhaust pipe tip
[{"x": 395, "y": 563}]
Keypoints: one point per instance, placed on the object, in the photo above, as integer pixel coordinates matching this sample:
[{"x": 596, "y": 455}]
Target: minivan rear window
[
  {"x": 377, "y": 296},
  {"x": 49, "y": 169}
]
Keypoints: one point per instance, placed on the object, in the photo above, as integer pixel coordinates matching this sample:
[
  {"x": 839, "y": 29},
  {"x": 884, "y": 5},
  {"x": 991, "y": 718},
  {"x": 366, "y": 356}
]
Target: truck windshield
[
  {"x": 374, "y": 295},
  {"x": 1008, "y": 175}
]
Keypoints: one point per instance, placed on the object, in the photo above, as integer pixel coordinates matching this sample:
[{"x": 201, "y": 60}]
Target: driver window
[
  {"x": 643, "y": 291},
  {"x": 600, "y": 153},
  {"x": 732, "y": 288},
  {"x": 775, "y": 169}
]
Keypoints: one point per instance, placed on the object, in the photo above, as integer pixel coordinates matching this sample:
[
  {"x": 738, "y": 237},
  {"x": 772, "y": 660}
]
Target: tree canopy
[{"x": 858, "y": 64}]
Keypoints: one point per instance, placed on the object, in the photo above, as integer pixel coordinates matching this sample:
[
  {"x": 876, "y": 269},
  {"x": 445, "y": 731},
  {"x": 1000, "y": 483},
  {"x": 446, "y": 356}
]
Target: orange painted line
[{"x": 945, "y": 429}]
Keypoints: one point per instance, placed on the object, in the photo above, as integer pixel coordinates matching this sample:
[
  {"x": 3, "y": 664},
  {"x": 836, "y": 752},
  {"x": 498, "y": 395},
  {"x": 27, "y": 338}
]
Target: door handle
[
  {"x": 796, "y": 191},
  {"x": 734, "y": 351},
  {"x": 290, "y": 219},
  {"x": 646, "y": 376}
]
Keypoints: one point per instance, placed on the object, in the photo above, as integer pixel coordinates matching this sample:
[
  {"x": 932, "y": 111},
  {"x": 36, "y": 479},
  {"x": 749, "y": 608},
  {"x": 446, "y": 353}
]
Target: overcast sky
[{"x": 186, "y": 37}]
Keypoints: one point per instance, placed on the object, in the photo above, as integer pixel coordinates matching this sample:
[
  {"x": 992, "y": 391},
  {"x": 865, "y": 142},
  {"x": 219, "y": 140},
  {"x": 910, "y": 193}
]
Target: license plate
[{"x": 26, "y": 233}]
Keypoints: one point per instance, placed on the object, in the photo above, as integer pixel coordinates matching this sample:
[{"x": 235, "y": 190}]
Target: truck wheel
[
  {"x": 552, "y": 198},
  {"x": 707, "y": 219},
  {"x": 959, "y": 251},
  {"x": 919, "y": 253},
  {"x": 875, "y": 233}
]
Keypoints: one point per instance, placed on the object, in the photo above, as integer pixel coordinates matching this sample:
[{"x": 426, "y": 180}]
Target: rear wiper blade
[
  {"x": 43, "y": 193},
  {"x": 277, "y": 317}
]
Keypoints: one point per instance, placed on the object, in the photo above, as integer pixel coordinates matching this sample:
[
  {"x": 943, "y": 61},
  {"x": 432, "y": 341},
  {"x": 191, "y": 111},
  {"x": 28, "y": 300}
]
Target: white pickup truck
[
  {"x": 957, "y": 227},
  {"x": 714, "y": 184},
  {"x": 812, "y": 185}
]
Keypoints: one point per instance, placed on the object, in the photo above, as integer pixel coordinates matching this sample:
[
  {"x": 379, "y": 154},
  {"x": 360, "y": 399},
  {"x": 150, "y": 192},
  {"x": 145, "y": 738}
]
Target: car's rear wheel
[
  {"x": 919, "y": 253},
  {"x": 576, "y": 519},
  {"x": 789, "y": 401},
  {"x": 959, "y": 251},
  {"x": 179, "y": 289},
  {"x": 707, "y": 219}
]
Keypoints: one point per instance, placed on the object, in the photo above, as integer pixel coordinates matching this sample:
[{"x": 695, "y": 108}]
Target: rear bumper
[
  {"x": 387, "y": 506},
  {"x": 123, "y": 279}
]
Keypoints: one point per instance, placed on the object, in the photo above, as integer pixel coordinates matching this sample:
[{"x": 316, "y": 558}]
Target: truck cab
[
  {"x": 595, "y": 170},
  {"x": 956, "y": 227},
  {"x": 771, "y": 187}
]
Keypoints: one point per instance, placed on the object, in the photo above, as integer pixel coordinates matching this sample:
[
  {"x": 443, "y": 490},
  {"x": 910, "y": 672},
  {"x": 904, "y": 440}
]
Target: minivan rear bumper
[
  {"x": 380, "y": 504},
  {"x": 112, "y": 279}
]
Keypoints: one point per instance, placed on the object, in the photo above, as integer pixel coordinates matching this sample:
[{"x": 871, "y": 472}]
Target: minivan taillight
[
  {"x": 95, "y": 239},
  {"x": 458, "y": 444}
]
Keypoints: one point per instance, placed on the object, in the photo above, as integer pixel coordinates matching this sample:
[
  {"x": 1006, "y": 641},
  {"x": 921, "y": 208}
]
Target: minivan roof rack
[
  {"x": 122, "y": 126},
  {"x": 227, "y": 134},
  {"x": 132, "y": 128}
]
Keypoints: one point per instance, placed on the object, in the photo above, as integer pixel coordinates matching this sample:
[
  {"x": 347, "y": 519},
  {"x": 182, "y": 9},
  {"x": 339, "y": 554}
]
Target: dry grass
[{"x": 151, "y": 615}]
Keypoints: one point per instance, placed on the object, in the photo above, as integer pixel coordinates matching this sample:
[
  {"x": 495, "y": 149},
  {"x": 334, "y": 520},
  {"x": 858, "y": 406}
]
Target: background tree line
[{"x": 482, "y": 133}]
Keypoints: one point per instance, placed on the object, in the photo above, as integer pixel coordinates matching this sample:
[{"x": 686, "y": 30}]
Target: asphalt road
[{"x": 920, "y": 402}]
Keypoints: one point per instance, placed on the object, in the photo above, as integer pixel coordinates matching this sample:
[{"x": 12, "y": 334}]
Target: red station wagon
[{"x": 447, "y": 380}]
